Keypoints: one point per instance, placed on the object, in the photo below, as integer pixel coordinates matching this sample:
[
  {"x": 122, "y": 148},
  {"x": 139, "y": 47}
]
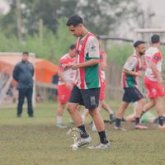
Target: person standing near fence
[
  {"x": 23, "y": 74},
  {"x": 87, "y": 89},
  {"x": 66, "y": 81}
]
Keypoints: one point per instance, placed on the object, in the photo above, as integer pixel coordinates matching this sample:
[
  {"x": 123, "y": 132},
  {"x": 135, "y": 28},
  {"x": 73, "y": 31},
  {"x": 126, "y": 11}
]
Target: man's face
[
  {"x": 76, "y": 30},
  {"x": 141, "y": 49},
  {"x": 25, "y": 57},
  {"x": 73, "y": 53}
]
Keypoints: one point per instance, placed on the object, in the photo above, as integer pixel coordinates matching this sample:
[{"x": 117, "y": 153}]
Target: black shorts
[
  {"x": 87, "y": 97},
  {"x": 132, "y": 94}
]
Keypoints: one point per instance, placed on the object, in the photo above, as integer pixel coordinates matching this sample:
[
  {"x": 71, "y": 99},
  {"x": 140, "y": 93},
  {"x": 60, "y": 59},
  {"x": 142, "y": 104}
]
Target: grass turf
[{"x": 36, "y": 141}]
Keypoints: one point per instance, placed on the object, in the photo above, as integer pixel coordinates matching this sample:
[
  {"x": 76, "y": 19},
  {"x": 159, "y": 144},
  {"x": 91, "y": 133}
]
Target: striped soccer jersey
[
  {"x": 133, "y": 63},
  {"x": 153, "y": 55},
  {"x": 69, "y": 74},
  {"x": 88, "y": 48}
]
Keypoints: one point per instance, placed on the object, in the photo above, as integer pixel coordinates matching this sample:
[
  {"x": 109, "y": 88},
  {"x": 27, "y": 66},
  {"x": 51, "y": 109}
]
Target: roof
[{"x": 44, "y": 69}]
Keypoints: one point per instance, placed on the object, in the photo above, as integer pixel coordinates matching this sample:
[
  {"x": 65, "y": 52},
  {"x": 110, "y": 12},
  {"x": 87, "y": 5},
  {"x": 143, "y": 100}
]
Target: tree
[
  {"x": 101, "y": 16},
  {"x": 104, "y": 16}
]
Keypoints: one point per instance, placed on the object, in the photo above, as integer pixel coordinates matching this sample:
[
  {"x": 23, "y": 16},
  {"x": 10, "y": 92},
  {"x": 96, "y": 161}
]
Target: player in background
[
  {"x": 131, "y": 71},
  {"x": 103, "y": 66},
  {"x": 153, "y": 80},
  {"x": 102, "y": 103},
  {"x": 66, "y": 82}
]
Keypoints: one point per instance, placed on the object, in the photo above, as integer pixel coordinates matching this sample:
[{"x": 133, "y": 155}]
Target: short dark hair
[
  {"x": 73, "y": 46},
  {"x": 74, "y": 20},
  {"x": 155, "y": 39},
  {"x": 25, "y": 53},
  {"x": 137, "y": 43}
]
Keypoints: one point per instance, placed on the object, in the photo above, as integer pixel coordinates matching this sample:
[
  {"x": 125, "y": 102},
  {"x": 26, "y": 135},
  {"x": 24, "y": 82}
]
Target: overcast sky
[
  {"x": 158, "y": 7},
  {"x": 155, "y": 6}
]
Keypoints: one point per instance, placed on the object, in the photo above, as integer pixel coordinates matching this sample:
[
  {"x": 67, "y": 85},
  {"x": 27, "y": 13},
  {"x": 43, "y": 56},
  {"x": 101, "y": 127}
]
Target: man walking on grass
[{"x": 87, "y": 89}]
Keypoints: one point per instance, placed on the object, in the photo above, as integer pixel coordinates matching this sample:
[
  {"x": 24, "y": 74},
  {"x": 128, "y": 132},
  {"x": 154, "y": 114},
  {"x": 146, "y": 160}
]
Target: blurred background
[{"x": 38, "y": 26}]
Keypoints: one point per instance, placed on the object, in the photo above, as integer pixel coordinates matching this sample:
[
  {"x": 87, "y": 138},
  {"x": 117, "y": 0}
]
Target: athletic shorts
[
  {"x": 132, "y": 94},
  {"x": 87, "y": 97},
  {"x": 102, "y": 91},
  {"x": 63, "y": 93},
  {"x": 154, "y": 89}
]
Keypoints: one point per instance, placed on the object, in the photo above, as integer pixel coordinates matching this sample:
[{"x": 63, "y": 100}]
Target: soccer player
[
  {"x": 87, "y": 89},
  {"x": 131, "y": 71},
  {"x": 103, "y": 65},
  {"x": 66, "y": 81},
  {"x": 102, "y": 103},
  {"x": 153, "y": 80}
]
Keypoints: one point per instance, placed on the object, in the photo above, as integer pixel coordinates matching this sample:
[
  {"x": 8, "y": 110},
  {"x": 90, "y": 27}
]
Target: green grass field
[{"x": 36, "y": 141}]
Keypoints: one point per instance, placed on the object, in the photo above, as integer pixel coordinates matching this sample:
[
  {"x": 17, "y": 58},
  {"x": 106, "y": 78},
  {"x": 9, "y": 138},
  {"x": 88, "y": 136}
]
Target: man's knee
[
  {"x": 93, "y": 111},
  {"x": 71, "y": 107}
]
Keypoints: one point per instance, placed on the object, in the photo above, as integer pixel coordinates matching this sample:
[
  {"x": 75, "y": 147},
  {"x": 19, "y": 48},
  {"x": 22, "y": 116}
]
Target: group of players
[{"x": 82, "y": 82}]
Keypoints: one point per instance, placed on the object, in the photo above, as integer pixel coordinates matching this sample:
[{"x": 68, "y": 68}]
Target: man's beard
[{"x": 141, "y": 53}]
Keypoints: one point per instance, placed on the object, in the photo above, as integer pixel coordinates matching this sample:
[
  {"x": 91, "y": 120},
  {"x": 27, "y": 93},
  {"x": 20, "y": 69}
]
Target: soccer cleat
[
  {"x": 119, "y": 128},
  {"x": 31, "y": 115},
  {"x": 60, "y": 125},
  {"x": 81, "y": 142},
  {"x": 140, "y": 126},
  {"x": 112, "y": 118},
  {"x": 100, "y": 146},
  {"x": 18, "y": 116}
]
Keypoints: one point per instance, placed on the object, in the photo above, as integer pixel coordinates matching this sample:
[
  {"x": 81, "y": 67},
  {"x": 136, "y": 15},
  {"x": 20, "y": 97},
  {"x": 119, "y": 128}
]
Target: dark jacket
[{"x": 23, "y": 74}]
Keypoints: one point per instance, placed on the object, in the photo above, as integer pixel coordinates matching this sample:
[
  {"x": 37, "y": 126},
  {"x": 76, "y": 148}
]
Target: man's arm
[
  {"x": 32, "y": 70},
  {"x": 16, "y": 73},
  {"x": 88, "y": 63},
  {"x": 130, "y": 66},
  {"x": 132, "y": 73},
  {"x": 156, "y": 58},
  {"x": 103, "y": 63},
  {"x": 60, "y": 74},
  {"x": 156, "y": 72}
]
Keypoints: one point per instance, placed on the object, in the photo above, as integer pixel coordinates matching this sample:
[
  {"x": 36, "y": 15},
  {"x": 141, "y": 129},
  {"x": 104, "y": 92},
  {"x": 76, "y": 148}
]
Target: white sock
[
  {"x": 59, "y": 119},
  {"x": 93, "y": 127},
  {"x": 84, "y": 114}
]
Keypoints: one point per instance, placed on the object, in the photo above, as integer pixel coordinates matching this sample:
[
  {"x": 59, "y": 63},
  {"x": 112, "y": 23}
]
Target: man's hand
[
  {"x": 139, "y": 74},
  {"x": 68, "y": 66},
  {"x": 69, "y": 85},
  {"x": 160, "y": 79},
  {"x": 75, "y": 66}
]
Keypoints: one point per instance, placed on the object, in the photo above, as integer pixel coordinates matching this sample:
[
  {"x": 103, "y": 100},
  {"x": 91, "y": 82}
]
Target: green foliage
[
  {"x": 101, "y": 17},
  {"x": 120, "y": 52},
  {"x": 51, "y": 46}
]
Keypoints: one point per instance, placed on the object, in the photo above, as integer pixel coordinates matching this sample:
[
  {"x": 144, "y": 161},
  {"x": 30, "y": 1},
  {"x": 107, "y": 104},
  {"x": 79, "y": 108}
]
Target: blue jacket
[{"x": 23, "y": 74}]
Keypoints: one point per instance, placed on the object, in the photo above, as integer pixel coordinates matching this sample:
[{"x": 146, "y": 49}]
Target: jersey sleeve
[
  {"x": 130, "y": 64},
  {"x": 61, "y": 65},
  {"x": 16, "y": 72},
  {"x": 156, "y": 57},
  {"x": 93, "y": 48}
]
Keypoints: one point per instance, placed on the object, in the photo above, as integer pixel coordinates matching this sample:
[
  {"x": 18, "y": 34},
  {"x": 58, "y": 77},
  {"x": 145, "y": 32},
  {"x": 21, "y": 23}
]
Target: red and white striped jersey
[
  {"x": 69, "y": 74},
  {"x": 133, "y": 63},
  {"x": 88, "y": 48},
  {"x": 153, "y": 55}
]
